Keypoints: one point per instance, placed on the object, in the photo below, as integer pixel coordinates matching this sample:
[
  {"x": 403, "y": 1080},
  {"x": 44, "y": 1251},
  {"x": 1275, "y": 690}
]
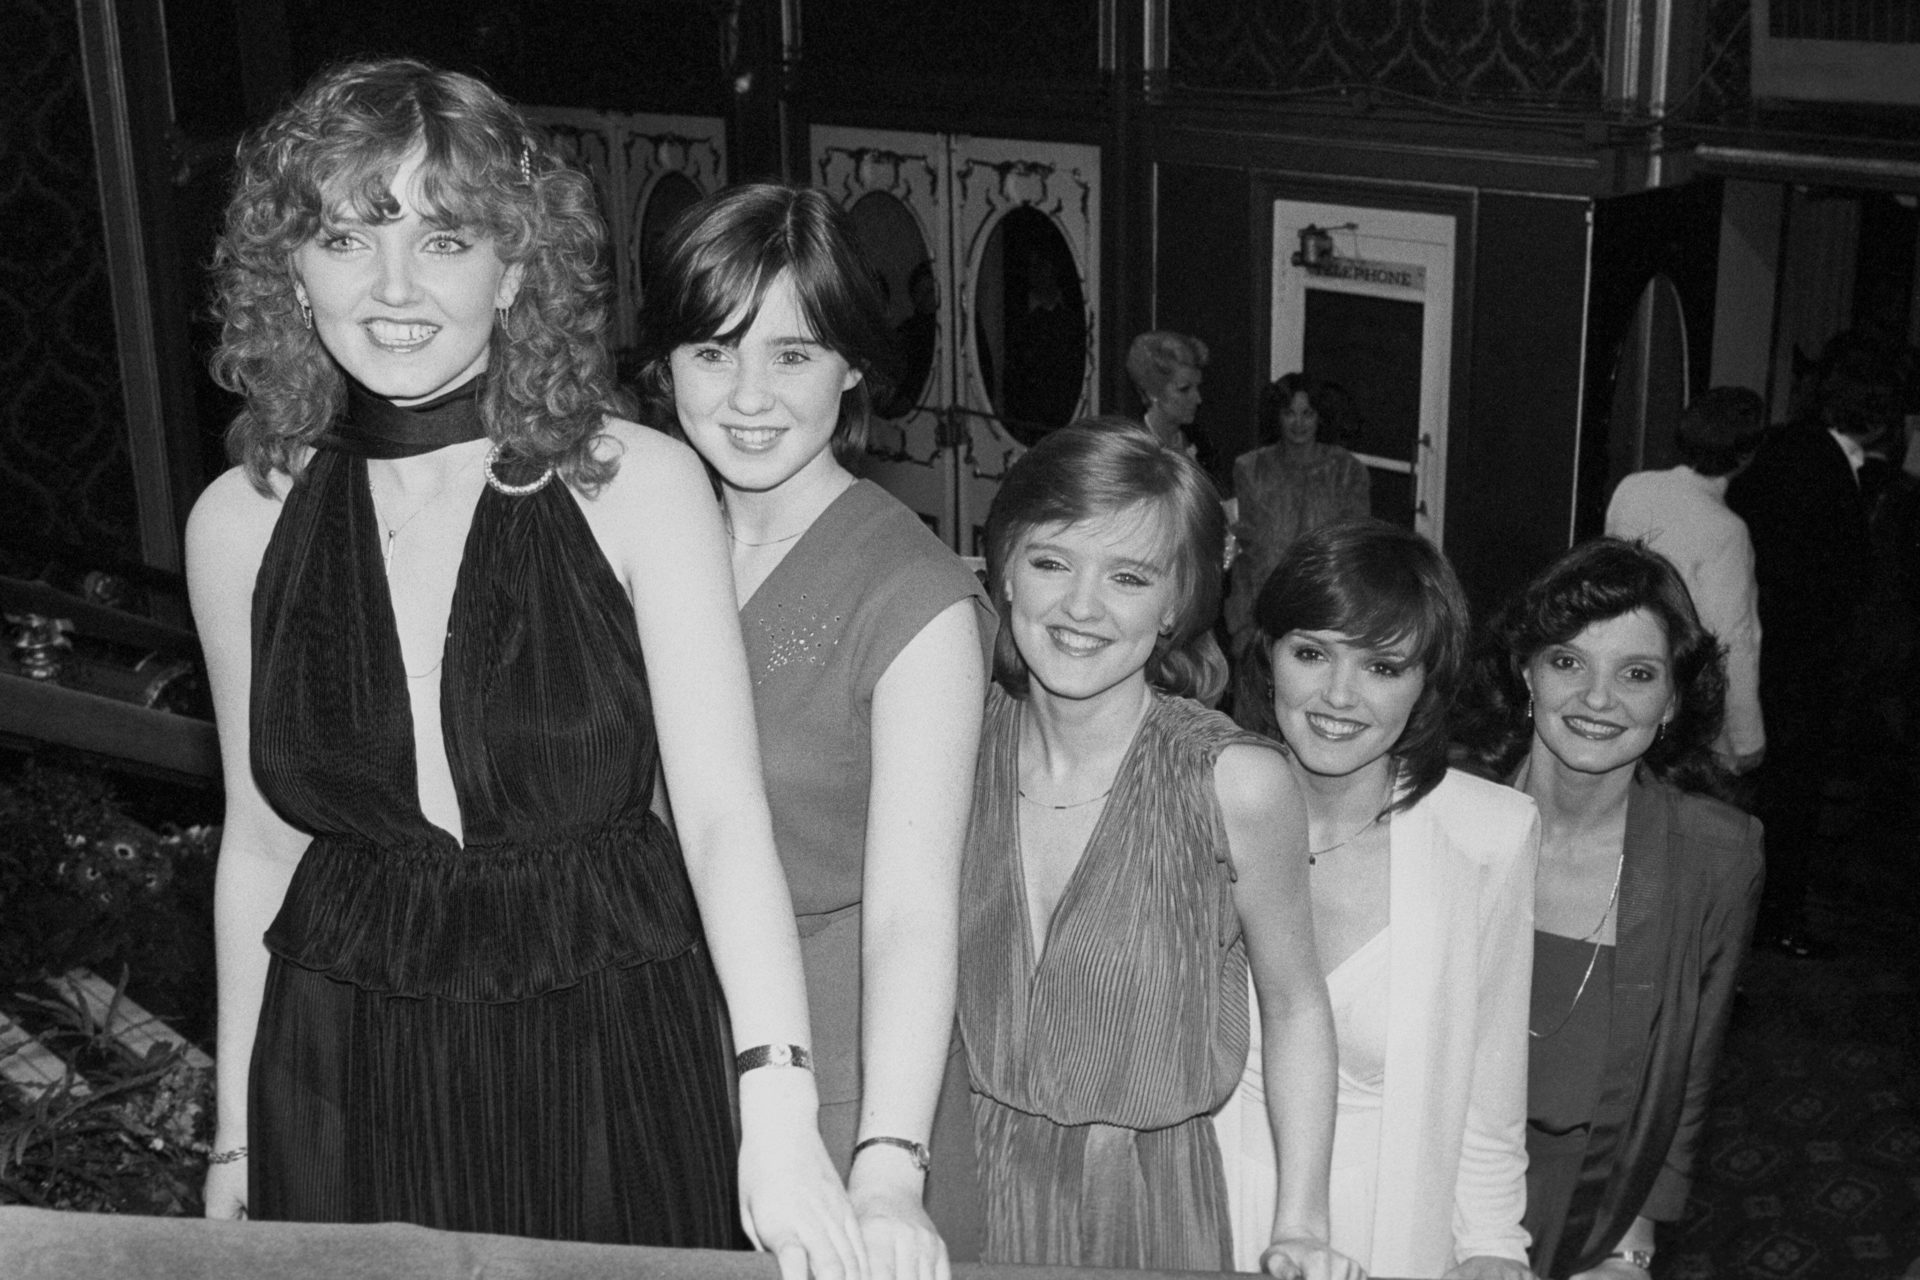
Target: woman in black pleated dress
[{"x": 460, "y": 620}]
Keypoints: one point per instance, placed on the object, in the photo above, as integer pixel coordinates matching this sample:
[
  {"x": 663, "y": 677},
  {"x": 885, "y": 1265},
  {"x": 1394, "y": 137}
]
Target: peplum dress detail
[{"x": 521, "y": 1034}]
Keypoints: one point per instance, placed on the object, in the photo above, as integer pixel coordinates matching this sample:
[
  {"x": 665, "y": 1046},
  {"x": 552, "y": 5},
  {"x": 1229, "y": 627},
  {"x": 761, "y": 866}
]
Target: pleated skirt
[
  {"x": 599, "y": 1111},
  {"x": 1101, "y": 1195}
]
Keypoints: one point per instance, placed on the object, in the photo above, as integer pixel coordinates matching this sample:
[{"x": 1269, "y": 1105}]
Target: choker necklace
[
  {"x": 1077, "y": 804},
  {"x": 1593, "y": 937},
  {"x": 375, "y": 427}
]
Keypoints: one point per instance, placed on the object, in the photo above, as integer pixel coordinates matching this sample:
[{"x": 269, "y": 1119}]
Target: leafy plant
[{"x": 135, "y": 1141}]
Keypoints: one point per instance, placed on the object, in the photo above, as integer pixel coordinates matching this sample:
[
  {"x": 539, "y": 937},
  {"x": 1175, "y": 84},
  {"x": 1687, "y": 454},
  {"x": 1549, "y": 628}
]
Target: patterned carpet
[{"x": 1812, "y": 1163}]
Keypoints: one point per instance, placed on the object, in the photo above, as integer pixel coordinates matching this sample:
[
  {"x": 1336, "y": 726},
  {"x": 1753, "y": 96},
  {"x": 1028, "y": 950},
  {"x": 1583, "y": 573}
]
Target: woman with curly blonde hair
[{"x": 462, "y": 620}]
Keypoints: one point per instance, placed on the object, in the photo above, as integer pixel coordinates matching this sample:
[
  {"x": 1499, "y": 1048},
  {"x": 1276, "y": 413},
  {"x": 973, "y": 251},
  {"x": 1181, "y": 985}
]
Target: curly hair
[
  {"x": 1380, "y": 586},
  {"x": 1598, "y": 581},
  {"x": 1098, "y": 467},
  {"x": 549, "y": 384},
  {"x": 1153, "y": 358},
  {"x": 716, "y": 264}
]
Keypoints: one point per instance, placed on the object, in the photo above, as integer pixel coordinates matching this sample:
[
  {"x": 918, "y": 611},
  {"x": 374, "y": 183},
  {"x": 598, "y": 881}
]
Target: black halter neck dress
[{"x": 520, "y": 1034}]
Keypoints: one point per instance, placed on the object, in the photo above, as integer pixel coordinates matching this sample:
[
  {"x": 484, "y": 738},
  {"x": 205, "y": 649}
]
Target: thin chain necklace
[
  {"x": 1314, "y": 855},
  {"x": 738, "y": 541},
  {"x": 1594, "y": 937},
  {"x": 1077, "y": 804},
  {"x": 394, "y": 531}
]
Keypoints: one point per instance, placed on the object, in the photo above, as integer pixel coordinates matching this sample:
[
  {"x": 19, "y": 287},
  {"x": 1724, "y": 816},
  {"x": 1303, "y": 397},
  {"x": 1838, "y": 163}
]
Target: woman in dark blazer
[{"x": 1599, "y": 695}]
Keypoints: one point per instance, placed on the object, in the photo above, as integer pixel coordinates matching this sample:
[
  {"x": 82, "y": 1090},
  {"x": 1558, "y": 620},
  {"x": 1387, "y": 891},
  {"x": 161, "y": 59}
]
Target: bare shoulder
[
  {"x": 658, "y": 508},
  {"x": 649, "y": 460},
  {"x": 230, "y": 526},
  {"x": 1253, "y": 783}
]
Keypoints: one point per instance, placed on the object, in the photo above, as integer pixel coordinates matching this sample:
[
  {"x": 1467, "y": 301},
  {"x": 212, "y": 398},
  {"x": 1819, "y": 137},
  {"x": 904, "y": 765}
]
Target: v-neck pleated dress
[
  {"x": 1097, "y": 1063},
  {"x": 520, "y": 1034}
]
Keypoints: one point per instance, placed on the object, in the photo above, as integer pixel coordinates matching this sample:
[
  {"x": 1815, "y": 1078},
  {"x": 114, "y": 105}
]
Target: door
[
  {"x": 987, "y": 251},
  {"x": 1363, "y": 301},
  {"x": 646, "y": 170},
  {"x": 893, "y": 186},
  {"x": 1026, "y": 236}
]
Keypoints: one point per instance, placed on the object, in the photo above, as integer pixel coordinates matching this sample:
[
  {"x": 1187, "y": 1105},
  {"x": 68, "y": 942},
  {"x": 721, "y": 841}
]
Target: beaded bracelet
[{"x": 228, "y": 1156}]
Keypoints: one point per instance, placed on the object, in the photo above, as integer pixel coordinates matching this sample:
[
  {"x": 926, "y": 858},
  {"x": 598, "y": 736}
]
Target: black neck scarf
[{"x": 375, "y": 427}]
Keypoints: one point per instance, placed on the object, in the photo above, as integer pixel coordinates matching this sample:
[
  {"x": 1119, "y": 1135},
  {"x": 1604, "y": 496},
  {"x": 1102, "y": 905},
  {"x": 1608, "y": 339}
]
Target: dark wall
[
  {"x": 1510, "y": 456},
  {"x": 1672, "y": 232},
  {"x": 64, "y": 460},
  {"x": 1447, "y": 49},
  {"x": 1206, "y": 284}
]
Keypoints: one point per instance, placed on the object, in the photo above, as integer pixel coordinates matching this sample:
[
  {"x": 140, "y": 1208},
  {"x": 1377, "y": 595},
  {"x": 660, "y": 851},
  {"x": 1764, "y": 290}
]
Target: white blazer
[{"x": 1451, "y": 1180}]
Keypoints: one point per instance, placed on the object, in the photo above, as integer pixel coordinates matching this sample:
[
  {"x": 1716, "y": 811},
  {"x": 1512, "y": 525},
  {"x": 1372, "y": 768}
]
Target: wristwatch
[{"x": 1641, "y": 1258}]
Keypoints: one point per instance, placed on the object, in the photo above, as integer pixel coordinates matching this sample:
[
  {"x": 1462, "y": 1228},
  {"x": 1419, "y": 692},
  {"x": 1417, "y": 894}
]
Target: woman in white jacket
[{"x": 1422, "y": 884}]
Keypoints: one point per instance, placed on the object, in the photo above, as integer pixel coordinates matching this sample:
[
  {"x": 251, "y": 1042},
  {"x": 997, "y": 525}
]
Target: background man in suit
[{"x": 1803, "y": 505}]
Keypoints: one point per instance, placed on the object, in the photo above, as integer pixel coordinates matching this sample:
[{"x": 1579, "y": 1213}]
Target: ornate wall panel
[
  {"x": 1546, "y": 51},
  {"x": 1726, "y": 62},
  {"x": 64, "y": 462},
  {"x": 1007, "y": 40},
  {"x": 667, "y": 54}
]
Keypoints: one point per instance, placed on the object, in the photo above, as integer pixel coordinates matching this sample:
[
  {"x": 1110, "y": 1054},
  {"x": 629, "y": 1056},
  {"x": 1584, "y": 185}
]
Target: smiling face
[
  {"x": 1341, "y": 706},
  {"x": 1600, "y": 698},
  {"x": 762, "y": 409},
  {"x": 1299, "y": 421},
  {"x": 404, "y": 305},
  {"x": 1088, "y": 601}
]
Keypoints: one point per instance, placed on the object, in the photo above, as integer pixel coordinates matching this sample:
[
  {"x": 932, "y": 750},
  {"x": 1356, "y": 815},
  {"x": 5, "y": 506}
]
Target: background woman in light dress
[
  {"x": 1422, "y": 888},
  {"x": 1131, "y": 855},
  {"x": 765, "y": 345}
]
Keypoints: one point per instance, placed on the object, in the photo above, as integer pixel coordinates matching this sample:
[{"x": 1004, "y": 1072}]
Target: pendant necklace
[
  {"x": 1593, "y": 937},
  {"x": 1314, "y": 855},
  {"x": 393, "y": 531}
]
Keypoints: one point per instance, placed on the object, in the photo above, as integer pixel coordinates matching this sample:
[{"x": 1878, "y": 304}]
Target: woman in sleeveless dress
[
  {"x": 1132, "y": 854},
  {"x": 1422, "y": 884},
  {"x": 468, "y": 977},
  {"x": 1601, "y": 695},
  {"x": 764, "y": 342}
]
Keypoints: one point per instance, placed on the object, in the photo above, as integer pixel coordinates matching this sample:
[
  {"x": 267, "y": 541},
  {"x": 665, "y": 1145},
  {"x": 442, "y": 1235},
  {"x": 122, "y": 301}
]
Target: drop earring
[{"x": 306, "y": 315}]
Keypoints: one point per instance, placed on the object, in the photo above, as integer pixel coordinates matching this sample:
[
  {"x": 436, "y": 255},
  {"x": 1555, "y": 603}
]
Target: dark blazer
[
  {"x": 1808, "y": 521},
  {"x": 1689, "y": 888}
]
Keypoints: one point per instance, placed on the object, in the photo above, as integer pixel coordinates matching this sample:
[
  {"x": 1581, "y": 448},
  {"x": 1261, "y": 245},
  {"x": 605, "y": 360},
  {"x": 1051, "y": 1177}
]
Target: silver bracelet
[
  {"x": 772, "y": 1055},
  {"x": 918, "y": 1152},
  {"x": 228, "y": 1156}
]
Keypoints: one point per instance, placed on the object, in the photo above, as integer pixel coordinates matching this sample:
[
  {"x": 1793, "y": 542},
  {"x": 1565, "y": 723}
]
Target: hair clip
[{"x": 526, "y": 164}]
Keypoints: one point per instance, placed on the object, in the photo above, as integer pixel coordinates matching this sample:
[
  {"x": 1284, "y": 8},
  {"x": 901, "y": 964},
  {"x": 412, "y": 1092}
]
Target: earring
[
  {"x": 1529, "y": 707},
  {"x": 306, "y": 314},
  {"x": 500, "y": 314}
]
